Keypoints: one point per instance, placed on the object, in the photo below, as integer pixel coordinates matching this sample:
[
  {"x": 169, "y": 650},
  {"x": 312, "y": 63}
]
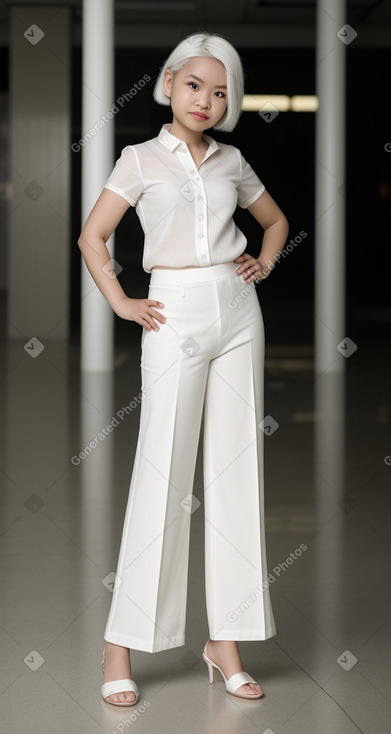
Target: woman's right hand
[{"x": 141, "y": 310}]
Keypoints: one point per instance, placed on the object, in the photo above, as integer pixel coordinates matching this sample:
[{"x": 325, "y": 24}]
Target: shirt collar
[{"x": 172, "y": 142}]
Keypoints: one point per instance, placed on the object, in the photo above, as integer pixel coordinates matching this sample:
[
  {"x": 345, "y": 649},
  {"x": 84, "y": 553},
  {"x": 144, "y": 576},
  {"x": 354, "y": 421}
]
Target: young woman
[{"x": 202, "y": 348}]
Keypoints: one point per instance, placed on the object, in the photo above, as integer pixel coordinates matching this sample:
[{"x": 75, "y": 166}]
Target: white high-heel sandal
[
  {"x": 118, "y": 686},
  {"x": 234, "y": 682}
]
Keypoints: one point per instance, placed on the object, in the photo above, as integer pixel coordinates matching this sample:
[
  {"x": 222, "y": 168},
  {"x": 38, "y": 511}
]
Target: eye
[{"x": 196, "y": 85}]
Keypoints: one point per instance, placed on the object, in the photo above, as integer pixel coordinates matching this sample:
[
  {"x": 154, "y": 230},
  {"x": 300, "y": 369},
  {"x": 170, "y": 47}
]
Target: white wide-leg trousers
[{"x": 208, "y": 355}]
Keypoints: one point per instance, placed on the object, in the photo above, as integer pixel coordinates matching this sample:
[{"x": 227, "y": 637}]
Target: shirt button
[
  {"x": 200, "y": 216},
  {"x": 203, "y": 257}
]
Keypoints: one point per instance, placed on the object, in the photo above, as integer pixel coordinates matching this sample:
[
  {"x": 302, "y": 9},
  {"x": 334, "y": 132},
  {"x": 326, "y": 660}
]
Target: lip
[{"x": 199, "y": 116}]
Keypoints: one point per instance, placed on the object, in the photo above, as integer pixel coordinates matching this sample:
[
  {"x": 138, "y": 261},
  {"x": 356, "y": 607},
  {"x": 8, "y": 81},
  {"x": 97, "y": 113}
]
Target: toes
[
  {"x": 254, "y": 688},
  {"x": 251, "y": 689},
  {"x": 116, "y": 698},
  {"x": 127, "y": 697},
  {"x": 113, "y": 698}
]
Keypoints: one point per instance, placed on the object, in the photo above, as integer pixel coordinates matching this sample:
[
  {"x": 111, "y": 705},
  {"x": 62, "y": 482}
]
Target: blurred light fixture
[{"x": 280, "y": 102}]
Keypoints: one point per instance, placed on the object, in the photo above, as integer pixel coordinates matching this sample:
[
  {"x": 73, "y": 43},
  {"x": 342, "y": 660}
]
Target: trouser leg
[
  {"x": 237, "y": 597},
  {"x": 148, "y": 608}
]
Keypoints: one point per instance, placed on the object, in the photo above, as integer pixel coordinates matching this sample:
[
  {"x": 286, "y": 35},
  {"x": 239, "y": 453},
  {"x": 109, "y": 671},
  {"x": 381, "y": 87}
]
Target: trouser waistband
[{"x": 178, "y": 276}]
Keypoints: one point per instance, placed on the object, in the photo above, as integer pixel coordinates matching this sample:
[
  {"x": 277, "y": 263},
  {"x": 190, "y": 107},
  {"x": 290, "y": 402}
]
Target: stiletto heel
[
  {"x": 214, "y": 673},
  {"x": 118, "y": 686},
  {"x": 234, "y": 682}
]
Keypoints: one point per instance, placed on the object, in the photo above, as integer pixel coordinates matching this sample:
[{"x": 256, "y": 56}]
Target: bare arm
[
  {"x": 99, "y": 226},
  {"x": 276, "y": 227}
]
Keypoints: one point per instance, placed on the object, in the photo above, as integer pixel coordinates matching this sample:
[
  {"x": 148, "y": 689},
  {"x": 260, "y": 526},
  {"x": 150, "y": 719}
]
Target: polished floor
[{"x": 327, "y": 488}]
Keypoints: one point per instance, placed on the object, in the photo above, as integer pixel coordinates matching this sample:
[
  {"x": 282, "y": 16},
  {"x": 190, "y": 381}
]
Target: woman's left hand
[{"x": 250, "y": 268}]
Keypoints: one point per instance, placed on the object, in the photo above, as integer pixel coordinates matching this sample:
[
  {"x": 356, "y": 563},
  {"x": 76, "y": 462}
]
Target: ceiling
[{"x": 253, "y": 23}]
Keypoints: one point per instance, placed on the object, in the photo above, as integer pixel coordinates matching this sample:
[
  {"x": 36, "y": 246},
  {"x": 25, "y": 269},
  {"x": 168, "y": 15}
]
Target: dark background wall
[{"x": 282, "y": 154}]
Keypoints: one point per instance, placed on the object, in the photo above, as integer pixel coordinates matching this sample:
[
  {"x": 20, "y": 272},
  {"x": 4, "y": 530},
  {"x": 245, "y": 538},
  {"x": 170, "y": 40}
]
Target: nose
[{"x": 203, "y": 101}]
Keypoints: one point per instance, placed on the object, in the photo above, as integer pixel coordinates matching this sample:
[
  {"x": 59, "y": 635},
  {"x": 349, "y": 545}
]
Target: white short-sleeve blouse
[{"x": 185, "y": 212}]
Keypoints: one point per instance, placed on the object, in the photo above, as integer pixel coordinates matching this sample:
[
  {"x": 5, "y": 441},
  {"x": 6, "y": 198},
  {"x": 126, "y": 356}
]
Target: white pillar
[
  {"x": 330, "y": 186},
  {"x": 97, "y": 317},
  {"x": 327, "y": 544}
]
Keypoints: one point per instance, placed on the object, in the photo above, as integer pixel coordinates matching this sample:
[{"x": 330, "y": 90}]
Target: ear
[{"x": 167, "y": 82}]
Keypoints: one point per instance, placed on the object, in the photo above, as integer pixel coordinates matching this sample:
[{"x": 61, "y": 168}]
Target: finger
[
  {"x": 243, "y": 268},
  {"x": 247, "y": 272},
  {"x": 152, "y": 326},
  {"x": 153, "y": 318},
  {"x": 158, "y": 304},
  {"x": 158, "y": 316},
  {"x": 253, "y": 275}
]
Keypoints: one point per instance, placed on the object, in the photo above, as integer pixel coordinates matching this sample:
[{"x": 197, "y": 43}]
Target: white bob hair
[{"x": 217, "y": 47}]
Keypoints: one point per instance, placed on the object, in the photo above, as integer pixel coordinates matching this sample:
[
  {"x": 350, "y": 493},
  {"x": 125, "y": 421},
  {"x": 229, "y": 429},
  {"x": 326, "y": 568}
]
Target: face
[{"x": 189, "y": 94}]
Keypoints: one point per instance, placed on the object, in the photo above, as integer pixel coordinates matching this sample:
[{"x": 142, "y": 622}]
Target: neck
[{"x": 193, "y": 138}]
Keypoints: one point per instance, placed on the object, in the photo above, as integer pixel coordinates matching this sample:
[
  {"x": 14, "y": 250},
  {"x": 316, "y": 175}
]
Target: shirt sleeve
[
  {"x": 250, "y": 186},
  {"x": 125, "y": 178}
]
